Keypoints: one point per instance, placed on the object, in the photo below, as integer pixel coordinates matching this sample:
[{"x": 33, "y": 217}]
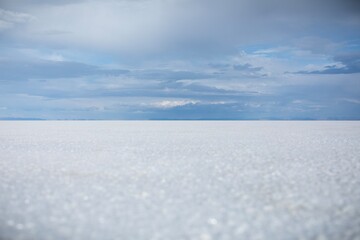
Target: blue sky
[{"x": 179, "y": 59}]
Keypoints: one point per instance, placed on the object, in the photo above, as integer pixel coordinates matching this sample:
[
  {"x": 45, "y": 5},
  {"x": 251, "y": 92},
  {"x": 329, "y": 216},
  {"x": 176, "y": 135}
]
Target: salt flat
[{"x": 179, "y": 180}]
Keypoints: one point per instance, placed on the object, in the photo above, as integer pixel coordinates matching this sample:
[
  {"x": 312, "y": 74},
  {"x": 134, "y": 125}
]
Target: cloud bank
[{"x": 180, "y": 59}]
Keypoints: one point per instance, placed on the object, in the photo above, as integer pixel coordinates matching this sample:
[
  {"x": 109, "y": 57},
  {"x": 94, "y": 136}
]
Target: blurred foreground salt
[{"x": 179, "y": 180}]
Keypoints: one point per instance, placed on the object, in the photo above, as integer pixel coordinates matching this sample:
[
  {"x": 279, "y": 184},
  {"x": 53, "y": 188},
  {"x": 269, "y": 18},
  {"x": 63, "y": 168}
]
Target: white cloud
[
  {"x": 350, "y": 100},
  {"x": 267, "y": 51},
  {"x": 55, "y": 57},
  {"x": 174, "y": 103},
  {"x": 317, "y": 45},
  {"x": 9, "y": 19}
]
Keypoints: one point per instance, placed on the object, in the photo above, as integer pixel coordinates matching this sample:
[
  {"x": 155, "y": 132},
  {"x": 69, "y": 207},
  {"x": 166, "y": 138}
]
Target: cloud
[
  {"x": 350, "y": 60},
  {"x": 174, "y": 103},
  {"x": 167, "y": 74},
  {"x": 183, "y": 27},
  {"x": 42, "y": 69},
  {"x": 179, "y": 59},
  {"x": 34, "y": 3},
  {"x": 318, "y": 45},
  {"x": 247, "y": 67},
  {"x": 349, "y": 63},
  {"x": 83, "y": 99},
  {"x": 354, "y": 101},
  {"x": 9, "y": 19}
]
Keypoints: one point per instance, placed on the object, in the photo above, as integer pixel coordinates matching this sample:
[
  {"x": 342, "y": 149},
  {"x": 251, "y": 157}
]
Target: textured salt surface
[{"x": 179, "y": 180}]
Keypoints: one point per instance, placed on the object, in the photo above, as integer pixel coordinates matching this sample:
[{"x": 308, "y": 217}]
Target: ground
[{"x": 179, "y": 180}]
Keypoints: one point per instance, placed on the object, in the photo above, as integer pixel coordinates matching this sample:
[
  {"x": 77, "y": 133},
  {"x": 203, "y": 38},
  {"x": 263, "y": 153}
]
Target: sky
[{"x": 180, "y": 59}]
